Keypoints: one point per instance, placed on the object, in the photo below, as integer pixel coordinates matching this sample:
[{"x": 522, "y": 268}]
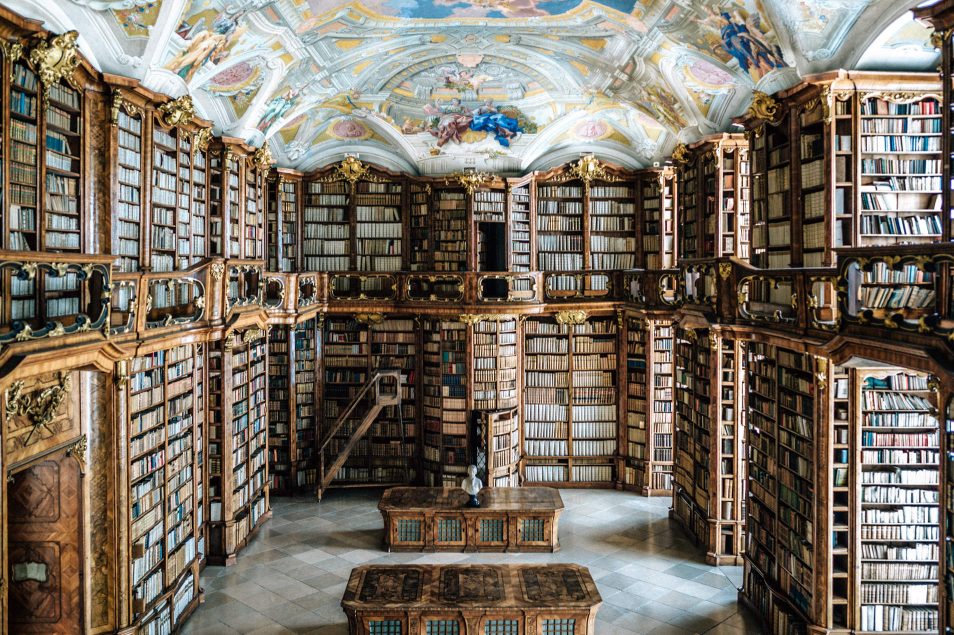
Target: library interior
[{"x": 490, "y": 317}]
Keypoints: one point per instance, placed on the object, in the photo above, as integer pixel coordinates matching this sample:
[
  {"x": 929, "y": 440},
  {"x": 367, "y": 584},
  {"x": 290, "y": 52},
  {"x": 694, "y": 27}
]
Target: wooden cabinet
[{"x": 437, "y": 519}]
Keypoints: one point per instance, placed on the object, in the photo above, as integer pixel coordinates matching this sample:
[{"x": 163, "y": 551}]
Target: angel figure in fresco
[
  {"x": 277, "y": 107},
  {"x": 463, "y": 79},
  {"x": 208, "y": 45},
  {"x": 488, "y": 119},
  {"x": 743, "y": 40},
  {"x": 452, "y": 120}
]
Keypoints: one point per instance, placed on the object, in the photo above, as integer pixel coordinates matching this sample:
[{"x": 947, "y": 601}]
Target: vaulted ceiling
[{"x": 627, "y": 79}]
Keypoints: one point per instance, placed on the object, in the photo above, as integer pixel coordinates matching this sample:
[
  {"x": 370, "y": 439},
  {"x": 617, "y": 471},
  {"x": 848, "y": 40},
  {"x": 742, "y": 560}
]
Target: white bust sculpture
[{"x": 472, "y": 486}]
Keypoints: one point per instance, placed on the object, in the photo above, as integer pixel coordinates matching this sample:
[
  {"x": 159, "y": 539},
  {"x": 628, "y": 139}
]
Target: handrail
[{"x": 371, "y": 383}]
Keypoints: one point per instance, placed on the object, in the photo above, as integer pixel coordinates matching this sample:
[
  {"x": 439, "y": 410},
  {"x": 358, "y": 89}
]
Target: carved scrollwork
[
  {"x": 369, "y": 318},
  {"x": 680, "y": 154},
  {"x": 55, "y": 58},
  {"x": 201, "y": 139},
  {"x": 899, "y": 96},
  {"x": 725, "y": 270},
  {"x": 263, "y": 158},
  {"x": 470, "y": 181},
  {"x": 570, "y": 317},
  {"x": 351, "y": 170},
  {"x": 764, "y": 108},
  {"x": 40, "y": 407},
  {"x": 587, "y": 170},
  {"x": 218, "y": 270},
  {"x": 178, "y": 111},
  {"x": 476, "y": 318},
  {"x": 77, "y": 450}
]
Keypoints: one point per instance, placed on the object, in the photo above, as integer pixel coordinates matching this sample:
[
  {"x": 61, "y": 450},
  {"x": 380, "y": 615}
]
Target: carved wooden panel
[
  {"x": 39, "y": 414},
  {"x": 44, "y": 504}
]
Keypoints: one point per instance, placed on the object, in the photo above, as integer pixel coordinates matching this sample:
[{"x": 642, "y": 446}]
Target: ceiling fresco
[{"x": 431, "y": 86}]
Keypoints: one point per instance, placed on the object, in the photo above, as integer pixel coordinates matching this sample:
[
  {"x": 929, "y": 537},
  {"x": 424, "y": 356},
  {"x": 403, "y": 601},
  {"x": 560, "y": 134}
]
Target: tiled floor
[{"x": 652, "y": 579}]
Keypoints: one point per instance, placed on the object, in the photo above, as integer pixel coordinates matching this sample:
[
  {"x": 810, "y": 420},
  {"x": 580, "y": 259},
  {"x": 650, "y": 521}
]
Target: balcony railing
[{"x": 53, "y": 295}]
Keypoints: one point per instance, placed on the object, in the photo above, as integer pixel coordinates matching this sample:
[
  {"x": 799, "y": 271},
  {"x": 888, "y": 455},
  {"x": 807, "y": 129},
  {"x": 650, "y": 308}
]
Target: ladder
[{"x": 384, "y": 389}]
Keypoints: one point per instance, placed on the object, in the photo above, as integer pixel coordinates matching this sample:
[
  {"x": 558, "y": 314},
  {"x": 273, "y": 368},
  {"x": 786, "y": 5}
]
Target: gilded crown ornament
[
  {"x": 470, "y": 181},
  {"x": 263, "y": 158},
  {"x": 571, "y": 317},
  {"x": 178, "y": 111},
  {"x": 352, "y": 171},
  {"x": 55, "y": 58}
]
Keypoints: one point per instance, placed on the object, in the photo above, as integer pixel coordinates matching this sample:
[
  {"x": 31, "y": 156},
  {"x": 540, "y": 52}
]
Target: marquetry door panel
[{"x": 44, "y": 548}]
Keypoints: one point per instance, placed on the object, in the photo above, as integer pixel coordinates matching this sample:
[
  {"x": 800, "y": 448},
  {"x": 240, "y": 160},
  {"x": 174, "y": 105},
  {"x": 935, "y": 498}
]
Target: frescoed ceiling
[{"x": 432, "y": 86}]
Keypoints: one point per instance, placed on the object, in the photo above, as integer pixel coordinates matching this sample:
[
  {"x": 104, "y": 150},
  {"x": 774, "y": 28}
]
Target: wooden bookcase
[
  {"x": 500, "y": 446},
  {"x": 352, "y": 350},
  {"x": 306, "y": 341},
  {"x": 284, "y": 213},
  {"x": 520, "y": 225},
  {"x": 159, "y": 180},
  {"x": 165, "y": 403},
  {"x": 649, "y": 405},
  {"x": 845, "y": 159},
  {"x": 446, "y": 429},
  {"x": 570, "y": 401},
  {"x": 709, "y": 487},
  {"x": 657, "y": 190},
  {"x": 280, "y": 380},
  {"x": 236, "y": 181},
  {"x": 237, "y": 442},
  {"x": 713, "y": 194}
]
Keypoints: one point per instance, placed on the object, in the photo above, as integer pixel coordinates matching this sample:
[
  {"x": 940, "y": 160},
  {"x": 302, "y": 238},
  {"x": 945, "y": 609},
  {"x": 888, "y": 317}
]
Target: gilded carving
[
  {"x": 680, "y": 154},
  {"x": 821, "y": 372},
  {"x": 725, "y": 270},
  {"x": 764, "y": 107},
  {"x": 178, "y": 111},
  {"x": 218, "y": 270},
  {"x": 475, "y": 318},
  {"x": 571, "y": 317},
  {"x": 77, "y": 450},
  {"x": 369, "y": 318},
  {"x": 55, "y": 58},
  {"x": 587, "y": 169},
  {"x": 470, "y": 181},
  {"x": 262, "y": 158},
  {"x": 352, "y": 171},
  {"x": 40, "y": 408},
  {"x": 200, "y": 142}
]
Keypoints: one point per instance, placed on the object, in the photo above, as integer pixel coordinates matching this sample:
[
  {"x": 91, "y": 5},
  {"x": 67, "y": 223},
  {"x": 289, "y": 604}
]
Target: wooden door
[{"x": 44, "y": 510}]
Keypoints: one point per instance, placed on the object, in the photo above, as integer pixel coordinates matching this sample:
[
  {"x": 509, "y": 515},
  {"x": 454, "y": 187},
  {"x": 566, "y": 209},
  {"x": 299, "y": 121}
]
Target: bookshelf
[
  {"x": 306, "y": 340},
  {"x": 23, "y": 163},
  {"x": 233, "y": 177},
  {"x": 378, "y": 226},
  {"x": 237, "y": 442},
  {"x": 326, "y": 228},
  {"x": 489, "y": 211},
  {"x": 708, "y": 479},
  {"x": 865, "y": 170},
  {"x": 184, "y": 245},
  {"x": 779, "y": 560},
  {"x": 128, "y": 222},
  {"x": 446, "y": 440},
  {"x": 200, "y": 196},
  {"x": 254, "y": 211},
  {"x": 495, "y": 364},
  {"x": 612, "y": 224},
  {"x": 419, "y": 226},
  {"x": 657, "y": 205},
  {"x": 280, "y": 406},
  {"x": 450, "y": 235},
  {"x": 689, "y": 198},
  {"x": 570, "y": 402},
  {"x": 500, "y": 446},
  {"x": 521, "y": 225},
  {"x": 886, "y": 536},
  {"x": 164, "y": 398},
  {"x": 283, "y": 197},
  {"x": 560, "y": 234},
  {"x": 164, "y": 199}
]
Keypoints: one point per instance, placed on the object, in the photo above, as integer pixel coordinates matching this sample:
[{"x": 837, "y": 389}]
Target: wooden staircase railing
[{"x": 384, "y": 387}]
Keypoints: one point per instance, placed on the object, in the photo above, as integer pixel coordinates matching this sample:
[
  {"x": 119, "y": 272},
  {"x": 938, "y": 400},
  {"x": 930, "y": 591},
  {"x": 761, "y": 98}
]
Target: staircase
[{"x": 382, "y": 389}]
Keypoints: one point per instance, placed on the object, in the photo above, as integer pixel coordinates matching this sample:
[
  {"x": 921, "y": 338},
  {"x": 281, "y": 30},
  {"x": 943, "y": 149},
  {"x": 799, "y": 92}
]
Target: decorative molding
[
  {"x": 470, "y": 181},
  {"x": 476, "y": 318},
  {"x": 571, "y": 317},
  {"x": 178, "y": 111},
  {"x": 122, "y": 373},
  {"x": 821, "y": 372},
  {"x": 55, "y": 58},
  {"x": 587, "y": 169},
  {"x": 77, "y": 450}
]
